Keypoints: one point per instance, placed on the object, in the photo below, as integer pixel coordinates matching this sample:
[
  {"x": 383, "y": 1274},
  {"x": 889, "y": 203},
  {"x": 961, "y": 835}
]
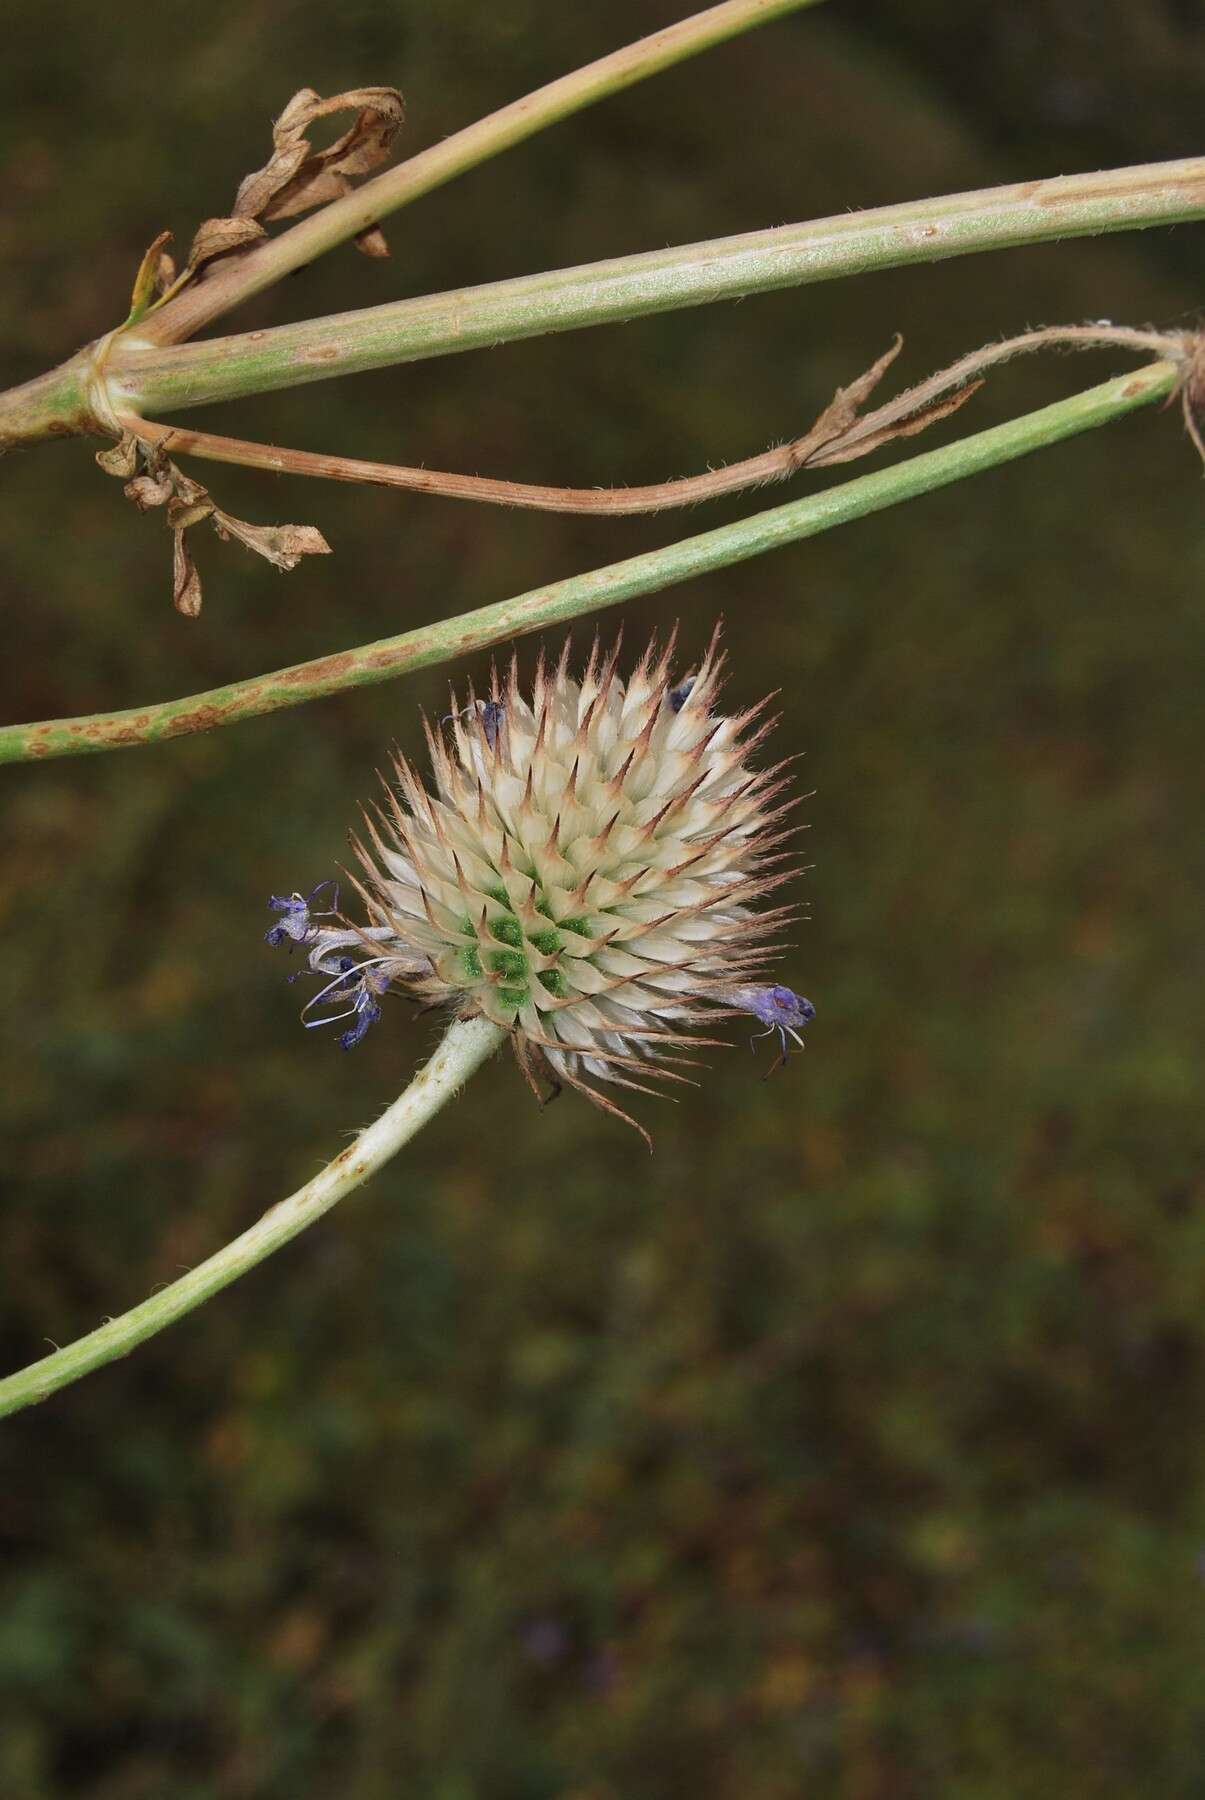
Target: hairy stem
[
  {"x": 147, "y": 379},
  {"x": 563, "y": 600},
  {"x": 236, "y": 279},
  {"x": 687, "y": 490},
  {"x": 823, "y": 445},
  {"x": 465, "y": 1047}
]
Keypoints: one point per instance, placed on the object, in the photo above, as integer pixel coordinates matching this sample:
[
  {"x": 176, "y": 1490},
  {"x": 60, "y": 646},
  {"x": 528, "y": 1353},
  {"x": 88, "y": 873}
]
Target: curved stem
[
  {"x": 686, "y": 490},
  {"x": 824, "y": 444},
  {"x": 236, "y": 280},
  {"x": 144, "y": 378},
  {"x": 560, "y": 601},
  {"x": 465, "y": 1047}
]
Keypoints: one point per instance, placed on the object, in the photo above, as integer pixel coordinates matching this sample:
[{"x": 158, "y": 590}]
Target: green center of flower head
[{"x": 501, "y": 951}]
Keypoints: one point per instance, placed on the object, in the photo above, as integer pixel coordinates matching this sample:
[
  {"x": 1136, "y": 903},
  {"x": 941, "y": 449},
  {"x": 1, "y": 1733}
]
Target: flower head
[{"x": 584, "y": 874}]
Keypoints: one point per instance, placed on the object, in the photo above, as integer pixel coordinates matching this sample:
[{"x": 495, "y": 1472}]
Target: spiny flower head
[{"x": 585, "y": 874}]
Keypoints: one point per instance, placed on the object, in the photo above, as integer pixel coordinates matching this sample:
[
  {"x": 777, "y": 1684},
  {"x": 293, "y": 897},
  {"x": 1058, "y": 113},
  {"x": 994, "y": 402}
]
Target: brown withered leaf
[
  {"x": 284, "y": 545},
  {"x": 218, "y": 237},
  {"x": 829, "y": 456},
  {"x": 372, "y": 242},
  {"x": 257, "y": 191},
  {"x": 842, "y": 409},
  {"x": 183, "y": 514},
  {"x": 122, "y": 459},
  {"x": 164, "y": 483},
  {"x": 297, "y": 177},
  {"x": 324, "y": 175},
  {"x": 186, "y": 583},
  {"x": 147, "y": 491},
  {"x": 188, "y": 491}
]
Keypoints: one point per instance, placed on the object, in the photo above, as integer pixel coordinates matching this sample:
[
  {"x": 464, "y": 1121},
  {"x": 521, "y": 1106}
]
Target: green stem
[
  {"x": 228, "y": 284},
  {"x": 56, "y": 404},
  {"x": 465, "y": 1047},
  {"x": 145, "y": 378},
  {"x": 560, "y": 601}
]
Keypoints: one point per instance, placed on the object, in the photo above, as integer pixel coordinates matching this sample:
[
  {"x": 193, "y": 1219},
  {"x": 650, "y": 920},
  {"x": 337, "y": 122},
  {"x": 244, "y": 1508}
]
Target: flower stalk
[{"x": 466, "y": 1046}]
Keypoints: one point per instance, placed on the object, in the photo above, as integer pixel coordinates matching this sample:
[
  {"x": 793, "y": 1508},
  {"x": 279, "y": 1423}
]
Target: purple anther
[
  {"x": 367, "y": 1013},
  {"x": 490, "y": 712}
]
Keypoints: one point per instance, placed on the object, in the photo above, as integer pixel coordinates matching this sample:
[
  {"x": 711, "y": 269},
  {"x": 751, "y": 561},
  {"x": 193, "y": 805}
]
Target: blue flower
[
  {"x": 295, "y": 922},
  {"x": 779, "y": 1009},
  {"x": 358, "y": 984},
  {"x": 352, "y": 984}
]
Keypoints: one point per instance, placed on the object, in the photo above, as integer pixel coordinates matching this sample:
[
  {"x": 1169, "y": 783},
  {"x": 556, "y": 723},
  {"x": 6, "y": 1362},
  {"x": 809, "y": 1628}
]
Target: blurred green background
[{"x": 852, "y": 1445}]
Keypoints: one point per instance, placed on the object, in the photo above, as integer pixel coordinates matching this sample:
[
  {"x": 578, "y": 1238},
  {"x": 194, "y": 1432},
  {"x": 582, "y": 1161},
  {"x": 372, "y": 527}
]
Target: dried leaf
[
  {"x": 146, "y": 282},
  {"x": 372, "y": 242},
  {"x": 874, "y": 440},
  {"x": 297, "y": 177},
  {"x": 147, "y": 491},
  {"x": 188, "y": 503},
  {"x": 186, "y": 583},
  {"x": 842, "y": 409},
  {"x": 284, "y": 545},
  {"x": 324, "y": 175},
  {"x": 188, "y": 490},
  {"x": 181, "y": 514},
  {"x": 256, "y": 192},
  {"x": 122, "y": 459},
  {"x": 218, "y": 237}
]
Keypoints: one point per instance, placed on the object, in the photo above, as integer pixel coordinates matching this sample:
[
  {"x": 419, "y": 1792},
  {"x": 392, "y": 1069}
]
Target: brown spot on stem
[
  {"x": 328, "y": 668},
  {"x": 201, "y": 718},
  {"x": 114, "y": 734},
  {"x": 390, "y": 659}
]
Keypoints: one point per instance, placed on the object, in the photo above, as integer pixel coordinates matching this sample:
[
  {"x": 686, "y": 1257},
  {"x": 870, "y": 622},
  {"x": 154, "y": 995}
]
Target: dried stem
[
  {"x": 773, "y": 465},
  {"x": 829, "y": 440},
  {"x": 465, "y": 1047},
  {"x": 564, "y": 600},
  {"x": 821, "y": 446},
  {"x": 143, "y": 378},
  {"x": 235, "y": 280}
]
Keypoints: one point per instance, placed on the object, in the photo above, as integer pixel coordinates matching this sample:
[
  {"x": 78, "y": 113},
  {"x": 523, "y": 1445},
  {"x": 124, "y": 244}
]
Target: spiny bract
[{"x": 582, "y": 875}]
